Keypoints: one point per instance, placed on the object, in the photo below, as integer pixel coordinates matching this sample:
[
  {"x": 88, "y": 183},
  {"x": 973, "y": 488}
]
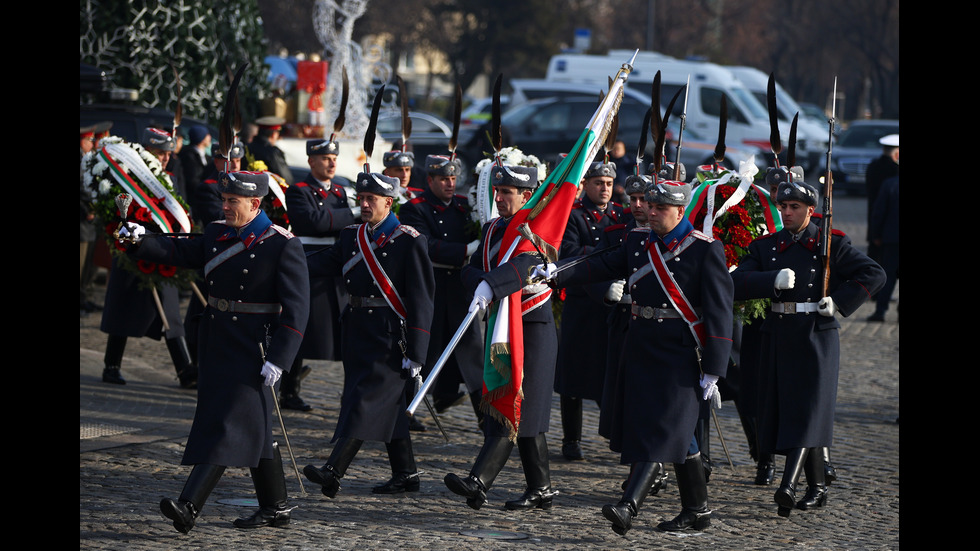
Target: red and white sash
[
  {"x": 673, "y": 291},
  {"x": 378, "y": 274}
]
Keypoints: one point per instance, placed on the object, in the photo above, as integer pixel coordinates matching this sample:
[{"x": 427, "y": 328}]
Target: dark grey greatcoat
[
  {"x": 317, "y": 215},
  {"x": 584, "y": 342},
  {"x": 447, "y": 231},
  {"x": 132, "y": 312},
  {"x": 234, "y": 416},
  {"x": 374, "y": 402},
  {"x": 800, "y": 353},
  {"x": 661, "y": 390},
  {"x": 540, "y": 335}
]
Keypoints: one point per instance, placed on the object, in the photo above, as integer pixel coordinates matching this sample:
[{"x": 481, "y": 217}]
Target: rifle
[
  {"x": 828, "y": 207},
  {"x": 680, "y": 133}
]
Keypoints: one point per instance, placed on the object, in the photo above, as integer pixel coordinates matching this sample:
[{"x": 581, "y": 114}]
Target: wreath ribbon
[{"x": 121, "y": 157}]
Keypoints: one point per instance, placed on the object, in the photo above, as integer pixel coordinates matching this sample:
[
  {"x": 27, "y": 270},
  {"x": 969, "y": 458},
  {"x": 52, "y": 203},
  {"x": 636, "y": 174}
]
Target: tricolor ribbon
[{"x": 121, "y": 157}]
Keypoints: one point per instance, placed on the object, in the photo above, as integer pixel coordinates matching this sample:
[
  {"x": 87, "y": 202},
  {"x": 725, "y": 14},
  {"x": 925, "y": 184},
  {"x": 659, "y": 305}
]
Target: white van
[
  {"x": 748, "y": 120},
  {"x": 809, "y": 133}
]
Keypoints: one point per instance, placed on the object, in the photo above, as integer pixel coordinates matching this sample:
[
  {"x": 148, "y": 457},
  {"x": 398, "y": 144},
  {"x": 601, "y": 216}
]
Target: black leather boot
[
  {"x": 638, "y": 486},
  {"x": 659, "y": 481},
  {"x": 765, "y": 470},
  {"x": 693, "y": 488},
  {"x": 537, "y": 473},
  {"x": 702, "y": 433},
  {"x": 492, "y": 457},
  {"x": 270, "y": 490},
  {"x": 571, "y": 424},
  {"x": 404, "y": 473},
  {"x": 328, "y": 477},
  {"x": 289, "y": 387},
  {"x": 786, "y": 494},
  {"x": 816, "y": 486},
  {"x": 830, "y": 473},
  {"x": 183, "y": 365},
  {"x": 185, "y": 510},
  {"x": 114, "y": 347}
]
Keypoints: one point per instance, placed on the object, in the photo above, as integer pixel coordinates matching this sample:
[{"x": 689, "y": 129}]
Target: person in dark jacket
[
  {"x": 444, "y": 218},
  {"x": 318, "y": 210},
  {"x": 258, "y": 302},
  {"x": 884, "y": 234},
  {"x": 263, "y": 147},
  {"x": 490, "y": 279},
  {"x": 387, "y": 273},
  {"x": 676, "y": 349},
  {"x": 800, "y": 356},
  {"x": 582, "y": 355}
]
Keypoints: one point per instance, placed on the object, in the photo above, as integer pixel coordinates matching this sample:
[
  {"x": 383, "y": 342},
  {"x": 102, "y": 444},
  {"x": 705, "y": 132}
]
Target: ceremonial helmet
[
  {"x": 797, "y": 191},
  {"x": 669, "y": 192},
  {"x": 378, "y": 184},
  {"x": 442, "y": 165},
  {"x": 247, "y": 184},
  {"x": 521, "y": 177},
  {"x": 322, "y": 146}
]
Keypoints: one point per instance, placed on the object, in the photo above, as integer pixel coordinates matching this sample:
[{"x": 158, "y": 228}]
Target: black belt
[
  {"x": 367, "y": 302},
  {"x": 650, "y": 312},
  {"x": 225, "y": 305}
]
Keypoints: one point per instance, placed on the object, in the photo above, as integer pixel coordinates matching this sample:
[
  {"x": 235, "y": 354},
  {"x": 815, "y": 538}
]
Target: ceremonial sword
[{"x": 275, "y": 400}]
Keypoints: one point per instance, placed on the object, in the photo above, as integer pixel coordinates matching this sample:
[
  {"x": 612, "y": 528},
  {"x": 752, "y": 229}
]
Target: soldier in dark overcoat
[
  {"x": 130, "y": 310},
  {"x": 387, "y": 273},
  {"x": 800, "y": 356},
  {"x": 488, "y": 280},
  {"x": 676, "y": 349},
  {"x": 443, "y": 216},
  {"x": 582, "y": 356},
  {"x": 257, "y": 286},
  {"x": 318, "y": 209},
  {"x": 263, "y": 147}
]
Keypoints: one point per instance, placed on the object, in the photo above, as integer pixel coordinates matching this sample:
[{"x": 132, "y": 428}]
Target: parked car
[
  {"x": 128, "y": 121},
  {"x": 547, "y": 127},
  {"x": 478, "y": 112},
  {"x": 853, "y": 150},
  {"x": 430, "y": 134}
]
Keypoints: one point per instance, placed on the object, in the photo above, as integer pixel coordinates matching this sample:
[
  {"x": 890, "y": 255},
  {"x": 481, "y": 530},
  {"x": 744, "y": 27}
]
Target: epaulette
[
  {"x": 353, "y": 226},
  {"x": 577, "y": 204},
  {"x": 416, "y": 200},
  {"x": 301, "y": 184},
  {"x": 643, "y": 229},
  {"x": 765, "y": 236},
  {"x": 613, "y": 227},
  {"x": 702, "y": 236},
  {"x": 283, "y": 231},
  {"x": 408, "y": 230}
]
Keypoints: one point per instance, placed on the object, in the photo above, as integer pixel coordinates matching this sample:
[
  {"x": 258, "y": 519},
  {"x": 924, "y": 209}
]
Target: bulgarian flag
[{"x": 545, "y": 214}]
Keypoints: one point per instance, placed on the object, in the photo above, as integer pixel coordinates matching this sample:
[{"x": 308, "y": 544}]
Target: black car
[{"x": 128, "y": 121}]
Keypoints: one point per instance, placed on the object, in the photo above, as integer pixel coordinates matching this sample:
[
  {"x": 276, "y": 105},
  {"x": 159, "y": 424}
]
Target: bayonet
[{"x": 680, "y": 133}]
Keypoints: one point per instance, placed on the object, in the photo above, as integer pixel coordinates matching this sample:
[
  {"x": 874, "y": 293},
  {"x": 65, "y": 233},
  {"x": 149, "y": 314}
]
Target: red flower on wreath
[
  {"x": 142, "y": 214},
  {"x": 145, "y": 266},
  {"x": 166, "y": 270}
]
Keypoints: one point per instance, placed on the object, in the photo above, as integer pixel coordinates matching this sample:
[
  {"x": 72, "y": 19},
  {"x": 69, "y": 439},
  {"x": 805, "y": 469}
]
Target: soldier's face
[
  {"x": 374, "y": 208},
  {"x": 509, "y": 199},
  {"x": 796, "y": 215},
  {"x": 638, "y": 206},
  {"x": 239, "y": 210},
  {"x": 403, "y": 173},
  {"x": 663, "y": 218},
  {"x": 234, "y": 165},
  {"x": 599, "y": 189},
  {"x": 443, "y": 187},
  {"x": 323, "y": 167}
]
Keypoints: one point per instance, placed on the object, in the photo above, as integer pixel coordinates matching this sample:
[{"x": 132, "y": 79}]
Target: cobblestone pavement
[{"x": 132, "y": 437}]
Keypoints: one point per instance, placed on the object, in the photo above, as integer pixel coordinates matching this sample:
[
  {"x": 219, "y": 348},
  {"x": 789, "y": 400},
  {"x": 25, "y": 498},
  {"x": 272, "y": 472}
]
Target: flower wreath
[
  {"x": 121, "y": 167},
  {"x": 734, "y": 210}
]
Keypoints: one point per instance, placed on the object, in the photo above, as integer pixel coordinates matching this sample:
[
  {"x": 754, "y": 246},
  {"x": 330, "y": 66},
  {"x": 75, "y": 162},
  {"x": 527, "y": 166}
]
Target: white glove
[
  {"x": 616, "y": 290},
  {"x": 271, "y": 373},
  {"x": 826, "y": 307},
  {"x": 356, "y": 211},
  {"x": 481, "y": 297},
  {"x": 413, "y": 368},
  {"x": 709, "y": 383},
  {"x": 471, "y": 247},
  {"x": 785, "y": 279},
  {"x": 133, "y": 230},
  {"x": 544, "y": 271}
]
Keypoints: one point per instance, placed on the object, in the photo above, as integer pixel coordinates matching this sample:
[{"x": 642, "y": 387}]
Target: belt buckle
[
  {"x": 647, "y": 312},
  {"x": 223, "y": 305},
  {"x": 789, "y": 307}
]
